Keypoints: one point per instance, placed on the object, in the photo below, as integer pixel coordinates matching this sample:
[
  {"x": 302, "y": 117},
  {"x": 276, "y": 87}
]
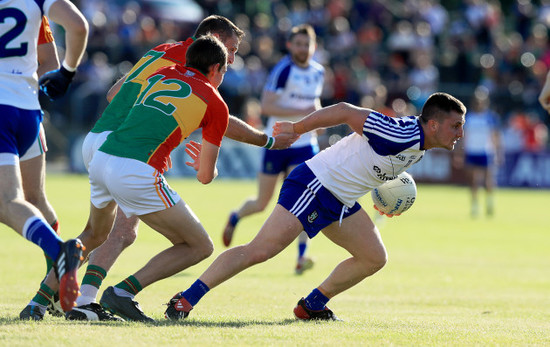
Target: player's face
[
  {"x": 216, "y": 76},
  {"x": 450, "y": 130},
  {"x": 232, "y": 45},
  {"x": 301, "y": 49}
]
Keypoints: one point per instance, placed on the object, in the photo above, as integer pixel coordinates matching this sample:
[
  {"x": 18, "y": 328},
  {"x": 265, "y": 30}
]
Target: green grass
[{"x": 450, "y": 279}]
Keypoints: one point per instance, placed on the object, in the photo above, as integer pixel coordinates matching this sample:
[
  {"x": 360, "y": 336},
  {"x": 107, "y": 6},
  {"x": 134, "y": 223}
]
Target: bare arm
[
  {"x": 239, "y": 130},
  {"x": 207, "y": 170},
  {"x": 115, "y": 88},
  {"x": 544, "y": 97},
  {"x": 76, "y": 30},
  {"x": 341, "y": 113},
  {"x": 47, "y": 58},
  {"x": 270, "y": 107}
]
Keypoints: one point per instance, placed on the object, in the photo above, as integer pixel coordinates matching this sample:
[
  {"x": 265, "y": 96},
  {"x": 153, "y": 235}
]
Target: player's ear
[{"x": 433, "y": 125}]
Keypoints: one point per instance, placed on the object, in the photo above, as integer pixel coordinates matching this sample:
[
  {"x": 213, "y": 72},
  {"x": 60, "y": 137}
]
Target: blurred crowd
[{"x": 388, "y": 55}]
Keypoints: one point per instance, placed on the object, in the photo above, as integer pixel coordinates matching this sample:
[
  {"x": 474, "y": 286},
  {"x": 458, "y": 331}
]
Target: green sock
[
  {"x": 131, "y": 285},
  {"x": 43, "y": 295},
  {"x": 94, "y": 276}
]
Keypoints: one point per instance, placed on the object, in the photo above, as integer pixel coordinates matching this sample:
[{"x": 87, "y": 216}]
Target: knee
[
  {"x": 125, "y": 236},
  {"x": 256, "y": 256},
  {"x": 206, "y": 249},
  {"x": 377, "y": 260}
]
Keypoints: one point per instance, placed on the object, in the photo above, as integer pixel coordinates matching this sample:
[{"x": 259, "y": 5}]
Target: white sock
[
  {"x": 42, "y": 308},
  {"x": 123, "y": 293},
  {"x": 89, "y": 294}
]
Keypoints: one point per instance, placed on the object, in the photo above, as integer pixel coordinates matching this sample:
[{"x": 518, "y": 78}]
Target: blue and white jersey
[
  {"x": 298, "y": 88},
  {"x": 478, "y": 132},
  {"x": 20, "y": 22},
  {"x": 357, "y": 164}
]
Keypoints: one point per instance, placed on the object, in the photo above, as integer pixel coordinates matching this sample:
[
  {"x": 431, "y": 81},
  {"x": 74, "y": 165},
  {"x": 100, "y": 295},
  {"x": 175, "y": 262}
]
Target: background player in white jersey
[
  {"x": 322, "y": 193},
  {"x": 33, "y": 162},
  {"x": 20, "y": 121},
  {"x": 481, "y": 151},
  {"x": 293, "y": 90}
]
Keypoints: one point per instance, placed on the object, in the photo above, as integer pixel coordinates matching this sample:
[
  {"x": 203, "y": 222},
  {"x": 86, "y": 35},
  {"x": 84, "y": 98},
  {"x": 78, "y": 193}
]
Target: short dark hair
[
  {"x": 304, "y": 29},
  {"x": 206, "y": 51},
  {"x": 218, "y": 25},
  {"x": 439, "y": 105}
]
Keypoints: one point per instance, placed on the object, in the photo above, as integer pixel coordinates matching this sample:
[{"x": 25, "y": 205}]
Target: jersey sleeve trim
[{"x": 389, "y": 136}]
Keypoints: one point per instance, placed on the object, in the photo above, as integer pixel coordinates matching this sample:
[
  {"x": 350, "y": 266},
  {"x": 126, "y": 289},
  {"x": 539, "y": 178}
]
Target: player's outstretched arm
[
  {"x": 544, "y": 97},
  {"x": 239, "y": 130},
  {"x": 341, "y": 113}
]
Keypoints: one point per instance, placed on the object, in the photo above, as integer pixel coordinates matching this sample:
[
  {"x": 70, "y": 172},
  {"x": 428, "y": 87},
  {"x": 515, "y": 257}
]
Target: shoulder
[
  {"x": 314, "y": 65},
  {"x": 283, "y": 65}
]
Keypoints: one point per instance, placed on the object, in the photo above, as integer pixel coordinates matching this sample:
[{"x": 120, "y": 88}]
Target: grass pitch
[{"x": 450, "y": 279}]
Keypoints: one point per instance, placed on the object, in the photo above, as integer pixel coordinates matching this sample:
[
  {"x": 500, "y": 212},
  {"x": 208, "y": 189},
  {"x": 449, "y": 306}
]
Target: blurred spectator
[{"x": 411, "y": 47}]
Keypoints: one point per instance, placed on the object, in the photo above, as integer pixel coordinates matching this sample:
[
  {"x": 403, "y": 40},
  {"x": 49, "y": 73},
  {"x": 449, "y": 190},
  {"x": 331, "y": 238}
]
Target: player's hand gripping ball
[
  {"x": 396, "y": 196},
  {"x": 55, "y": 83}
]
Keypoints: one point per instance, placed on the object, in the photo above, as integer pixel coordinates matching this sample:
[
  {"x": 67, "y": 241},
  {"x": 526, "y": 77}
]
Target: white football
[{"x": 396, "y": 196}]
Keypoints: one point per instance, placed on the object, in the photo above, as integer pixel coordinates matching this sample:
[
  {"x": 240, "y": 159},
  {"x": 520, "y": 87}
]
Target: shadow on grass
[{"x": 5, "y": 321}]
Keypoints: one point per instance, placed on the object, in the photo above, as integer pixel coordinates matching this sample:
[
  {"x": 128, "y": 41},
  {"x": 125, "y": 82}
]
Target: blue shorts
[
  {"x": 18, "y": 129},
  {"x": 479, "y": 160},
  {"x": 303, "y": 195},
  {"x": 277, "y": 161}
]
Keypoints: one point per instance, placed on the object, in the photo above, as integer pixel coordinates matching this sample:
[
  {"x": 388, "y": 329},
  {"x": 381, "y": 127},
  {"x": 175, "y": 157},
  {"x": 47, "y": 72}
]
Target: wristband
[
  {"x": 67, "y": 67},
  {"x": 270, "y": 142}
]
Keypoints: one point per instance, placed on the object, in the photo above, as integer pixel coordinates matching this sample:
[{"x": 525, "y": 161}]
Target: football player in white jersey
[
  {"x": 20, "y": 22},
  {"x": 321, "y": 195},
  {"x": 481, "y": 151},
  {"x": 293, "y": 90}
]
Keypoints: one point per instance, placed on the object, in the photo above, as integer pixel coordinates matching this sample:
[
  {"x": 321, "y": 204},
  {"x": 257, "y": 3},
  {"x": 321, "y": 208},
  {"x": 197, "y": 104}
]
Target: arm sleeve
[{"x": 388, "y": 135}]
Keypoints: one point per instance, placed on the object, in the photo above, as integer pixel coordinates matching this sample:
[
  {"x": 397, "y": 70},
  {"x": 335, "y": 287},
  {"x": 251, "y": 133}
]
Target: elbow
[
  {"x": 82, "y": 28},
  {"x": 205, "y": 178},
  {"x": 342, "y": 105}
]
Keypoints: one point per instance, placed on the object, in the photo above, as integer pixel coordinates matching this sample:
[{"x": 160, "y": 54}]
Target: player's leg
[
  {"x": 298, "y": 156},
  {"x": 97, "y": 228},
  {"x": 278, "y": 231},
  {"x": 360, "y": 237},
  {"x": 266, "y": 187},
  {"x": 100, "y": 261},
  {"x": 33, "y": 174},
  {"x": 191, "y": 244},
  {"x": 475, "y": 177}
]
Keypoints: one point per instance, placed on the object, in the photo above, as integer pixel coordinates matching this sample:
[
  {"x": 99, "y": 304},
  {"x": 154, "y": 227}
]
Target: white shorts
[
  {"x": 91, "y": 144},
  {"x": 39, "y": 146},
  {"x": 135, "y": 186}
]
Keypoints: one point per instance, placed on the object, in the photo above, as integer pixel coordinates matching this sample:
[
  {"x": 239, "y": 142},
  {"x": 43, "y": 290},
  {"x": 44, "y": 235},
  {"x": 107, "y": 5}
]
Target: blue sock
[
  {"x": 38, "y": 231},
  {"x": 234, "y": 219},
  {"x": 195, "y": 292},
  {"x": 316, "y": 300},
  {"x": 301, "y": 249}
]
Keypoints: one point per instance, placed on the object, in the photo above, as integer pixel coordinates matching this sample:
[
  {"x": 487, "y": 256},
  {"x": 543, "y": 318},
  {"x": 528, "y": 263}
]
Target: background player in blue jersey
[
  {"x": 481, "y": 151},
  {"x": 321, "y": 195},
  {"x": 21, "y": 117},
  {"x": 292, "y": 91}
]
